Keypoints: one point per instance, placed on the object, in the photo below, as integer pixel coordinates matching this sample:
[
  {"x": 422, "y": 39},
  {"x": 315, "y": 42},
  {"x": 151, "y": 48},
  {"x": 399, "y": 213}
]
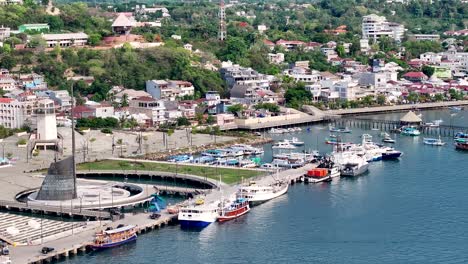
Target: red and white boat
[{"x": 233, "y": 210}]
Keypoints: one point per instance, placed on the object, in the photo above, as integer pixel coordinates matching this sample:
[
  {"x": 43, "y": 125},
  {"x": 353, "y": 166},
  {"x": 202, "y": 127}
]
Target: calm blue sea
[{"x": 414, "y": 210}]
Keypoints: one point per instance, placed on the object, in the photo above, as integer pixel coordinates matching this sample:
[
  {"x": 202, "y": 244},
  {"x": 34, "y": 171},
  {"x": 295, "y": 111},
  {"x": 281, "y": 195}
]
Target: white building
[
  {"x": 103, "y": 110},
  {"x": 14, "y": 113},
  {"x": 234, "y": 74},
  {"x": 374, "y": 27},
  {"x": 188, "y": 47},
  {"x": 276, "y": 58},
  {"x": 346, "y": 89},
  {"x": 261, "y": 28},
  {"x": 4, "y": 32},
  {"x": 212, "y": 98},
  {"x": 46, "y": 120},
  {"x": 62, "y": 97},
  {"x": 66, "y": 39},
  {"x": 7, "y": 83},
  {"x": 431, "y": 57},
  {"x": 152, "y": 108},
  {"x": 169, "y": 90}
]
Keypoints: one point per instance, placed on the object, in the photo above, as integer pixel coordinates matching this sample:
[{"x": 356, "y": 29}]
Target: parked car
[
  {"x": 155, "y": 216},
  {"x": 47, "y": 250}
]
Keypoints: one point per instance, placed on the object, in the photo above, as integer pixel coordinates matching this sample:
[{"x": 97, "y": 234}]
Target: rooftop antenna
[{"x": 222, "y": 23}]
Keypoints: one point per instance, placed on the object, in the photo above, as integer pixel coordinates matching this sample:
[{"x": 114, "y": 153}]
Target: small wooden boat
[{"x": 114, "y": 237}]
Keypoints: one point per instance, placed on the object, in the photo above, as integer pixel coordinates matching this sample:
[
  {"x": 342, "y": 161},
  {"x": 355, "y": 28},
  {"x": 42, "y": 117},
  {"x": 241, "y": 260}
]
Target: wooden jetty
[{"x": 390, "y": 125}]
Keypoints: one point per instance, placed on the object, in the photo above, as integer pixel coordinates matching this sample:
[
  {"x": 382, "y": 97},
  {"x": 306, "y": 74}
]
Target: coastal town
[{"x": 128, "y": 117}]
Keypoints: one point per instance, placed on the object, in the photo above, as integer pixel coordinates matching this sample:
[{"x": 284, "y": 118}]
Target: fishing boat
[
  {"x": 278, "y": 131},
  {"x": 233, "y": 210},
  {"x": 388, "y": 140},
  {"x": 331, "y": 141},
  {"x": 433, "y": 141},
  {"x": 283, "y": 145},
  {"x": 288, "y": 163},
  {"x": 248, "y": 149},
  {"x": 461, "y": 143},
  {"x": 339, "y": 130},
  {"x": 216, "y": 153},
  {"x": 410, "y": 131},
  {"x": 435, "y": 123},
  {"x": 295, "y": 141},
  {"x": 257, "y": 194},
  {"x": 456, "y": 108},
  {"x": 245, "y": 163},
  {"x": 197, "y": 216},
  {"x": 203, "y": 160},
  {"x": 114, "y": 237},
  {"x": 181, "y": 158},
  {"x": 459, "y": 135}
]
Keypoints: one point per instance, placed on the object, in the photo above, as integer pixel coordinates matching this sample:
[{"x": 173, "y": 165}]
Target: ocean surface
[{"x": 414, "y": 210}]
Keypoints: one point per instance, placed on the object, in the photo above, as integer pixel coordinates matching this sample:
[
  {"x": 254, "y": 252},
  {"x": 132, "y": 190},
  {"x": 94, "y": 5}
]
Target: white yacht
[
  {"x": 257, "y": 194},
  {"x": 295, "y": 141},
  {"x": 283, "y": 145}
]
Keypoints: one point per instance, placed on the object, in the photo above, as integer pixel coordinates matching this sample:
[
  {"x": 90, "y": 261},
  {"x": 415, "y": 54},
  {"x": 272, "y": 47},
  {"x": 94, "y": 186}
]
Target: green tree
[
  {"x": 381, "y": 99},
  {"x": 428, "y": 70},
  {"x": 274, "y": 108},
  {"x": 297, "y": 95},
  {"x": 210, "y": 120},
  {"x": 8, "y": 62},
  {"x": 183, "y": 121},
  {"x": 236, "y": 109}
]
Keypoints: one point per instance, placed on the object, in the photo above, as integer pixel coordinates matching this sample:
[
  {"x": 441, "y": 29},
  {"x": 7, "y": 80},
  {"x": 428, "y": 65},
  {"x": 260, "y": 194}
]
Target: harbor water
[{"x": 408, "y": 211}]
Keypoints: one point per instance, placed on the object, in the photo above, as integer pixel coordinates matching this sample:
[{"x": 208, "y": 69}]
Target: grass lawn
[{"x": 229, "y": 176}]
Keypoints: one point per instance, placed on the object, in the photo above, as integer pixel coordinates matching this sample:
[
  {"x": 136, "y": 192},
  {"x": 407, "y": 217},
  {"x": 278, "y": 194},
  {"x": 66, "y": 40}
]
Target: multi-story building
[
  {"x": 149, "y": 106},
  {"x": 15, "y": 113},
  {"x": 276, "y": 58},
  {"x": 4, "y": 32},
  {"x": 66, "y": 39},
  {"x": 7, "y": 83},
  {"x": 169, "y": 90},
  {"x": 374, "y": 27},
  {"x": 212, "y": 98},
  {"x": 235, "y": 74},
  {"x": 62, "y": 98}
]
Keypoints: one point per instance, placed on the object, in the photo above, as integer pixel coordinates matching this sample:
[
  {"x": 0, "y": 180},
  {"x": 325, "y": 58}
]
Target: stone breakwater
[{"x": 163, "y": 155}]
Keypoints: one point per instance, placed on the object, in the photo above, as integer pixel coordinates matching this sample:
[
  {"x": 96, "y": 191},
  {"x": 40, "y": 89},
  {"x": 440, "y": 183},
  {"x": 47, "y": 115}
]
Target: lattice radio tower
[{"x": 222, "y": 23}]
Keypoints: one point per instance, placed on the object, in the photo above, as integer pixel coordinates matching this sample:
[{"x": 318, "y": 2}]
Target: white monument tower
[{"x": 46, "y": 120}]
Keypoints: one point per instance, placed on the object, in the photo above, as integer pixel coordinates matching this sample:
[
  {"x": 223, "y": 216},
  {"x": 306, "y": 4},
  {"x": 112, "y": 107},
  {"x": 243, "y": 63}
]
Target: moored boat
[
  {"x": 114, "y": 237},
  {"x": 283, "y": 145},
  {"x": 257, "y": 194},
  {"x": 197, "y": 216},
  {"x": 390, "y": 154},
  {"x": 388, "y": 140},
  {"x": 233, "y": 210},
  {"x": 461, "y": 143},
  {"x": 295, "y": 142},
  {"x": 433, "y": 141},
  {"x": 410, "y": 131},
  {"x": 339, "y": 129}
]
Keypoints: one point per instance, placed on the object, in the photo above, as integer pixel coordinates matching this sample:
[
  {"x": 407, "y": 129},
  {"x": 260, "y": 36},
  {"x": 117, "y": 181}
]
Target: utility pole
[
  {"x": 73, "y": 142},
  {"x": 222, "y": 21}
]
